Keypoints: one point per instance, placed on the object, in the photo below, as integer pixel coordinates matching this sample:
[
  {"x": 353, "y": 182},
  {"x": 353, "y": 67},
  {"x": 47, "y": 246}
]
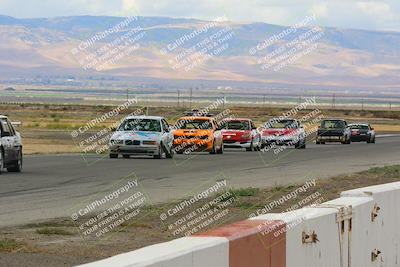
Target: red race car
[{"x": 240, "y": 133}]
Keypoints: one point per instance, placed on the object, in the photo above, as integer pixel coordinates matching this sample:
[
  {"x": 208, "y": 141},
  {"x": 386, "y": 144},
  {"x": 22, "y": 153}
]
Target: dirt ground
[{"x": 60, "y": 243}]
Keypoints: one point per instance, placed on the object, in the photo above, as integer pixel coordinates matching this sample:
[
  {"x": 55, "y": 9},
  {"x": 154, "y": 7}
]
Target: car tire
[
  {"x": 213, "y": 151},
  {"x": 302, "y": 144},
  {"x": 160, "y": 152},
  {"x": 113, "y": 156},
  {"x": 221, "y": 150},
  {"x": 17, "y": 167},
  {"x": 251, "y": 148},
  {"x": 126, "y": 156},
  {"x": 373, "y": 140},
  {"x": 169, "y": 154},
  {"x": 1, "y": 160}
]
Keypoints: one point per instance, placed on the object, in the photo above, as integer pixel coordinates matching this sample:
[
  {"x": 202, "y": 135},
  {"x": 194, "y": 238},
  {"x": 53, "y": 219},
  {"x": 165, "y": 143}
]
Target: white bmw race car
[
  {"x": 10, "y": 146},
  {"x": 142, "y": 135}
]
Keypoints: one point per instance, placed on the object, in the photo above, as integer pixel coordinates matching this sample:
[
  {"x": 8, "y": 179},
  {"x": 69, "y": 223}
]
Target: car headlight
[
  {"x": 152, "y": 143},
  {"x": 246, "y": 135},
  {"x": 116, "y": 142}
]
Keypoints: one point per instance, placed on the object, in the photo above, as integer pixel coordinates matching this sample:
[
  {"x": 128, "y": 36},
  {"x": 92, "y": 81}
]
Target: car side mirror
[
  {"x": 16, "y": 124},
  {"x": 113, "y": 129},
  {"x": 372, "y": 128}
]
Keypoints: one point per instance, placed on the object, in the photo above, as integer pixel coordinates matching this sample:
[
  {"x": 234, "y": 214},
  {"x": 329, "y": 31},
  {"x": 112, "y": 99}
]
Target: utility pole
[
  {"x": 127, "y": 94},
  {"x": 362, "y": 104},
  {"x": 333, "y": 101},
  {"x": 190, "y": 98},
  {"x": 264, "y": 101},
  {"x": 179, "y": 96},
  {"x": 390, "y": 105}
]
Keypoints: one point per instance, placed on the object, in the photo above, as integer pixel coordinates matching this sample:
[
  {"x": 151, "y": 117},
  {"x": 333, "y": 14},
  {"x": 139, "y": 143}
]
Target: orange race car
[{"x": 198, "y": 134}]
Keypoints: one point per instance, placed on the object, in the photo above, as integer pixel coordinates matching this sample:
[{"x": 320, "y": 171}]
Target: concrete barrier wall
[
  {"x": 360, "y": 229},
  {"x": 382, "y": 225}
]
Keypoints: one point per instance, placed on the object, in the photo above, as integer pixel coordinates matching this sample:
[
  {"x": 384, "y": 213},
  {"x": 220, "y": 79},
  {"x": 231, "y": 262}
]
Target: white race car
[
  {"x": 10, "y": 146},
  {"x": 142, "y": 135},
  {"x": 287, "y": 132}
]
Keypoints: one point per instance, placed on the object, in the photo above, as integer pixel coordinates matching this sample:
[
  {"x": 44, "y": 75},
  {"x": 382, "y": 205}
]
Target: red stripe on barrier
[{"x": 254, "y": 243}]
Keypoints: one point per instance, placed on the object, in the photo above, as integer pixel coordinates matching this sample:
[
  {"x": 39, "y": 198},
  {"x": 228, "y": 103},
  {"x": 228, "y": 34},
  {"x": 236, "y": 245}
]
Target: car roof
[
  {"x": 333, "y": 119},
  {"x": 145, "y": 117},
  {"x": 196, "y": 118},
  {"x": 237, "y": 119},
  {"x": 364, "y": 124},
  {"x": 282, "y": 119},
  {"x": 3, "y": 117}
]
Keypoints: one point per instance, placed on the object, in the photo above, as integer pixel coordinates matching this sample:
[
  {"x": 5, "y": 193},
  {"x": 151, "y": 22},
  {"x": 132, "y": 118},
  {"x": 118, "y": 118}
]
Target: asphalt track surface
[{"x": 51, "y": 186}]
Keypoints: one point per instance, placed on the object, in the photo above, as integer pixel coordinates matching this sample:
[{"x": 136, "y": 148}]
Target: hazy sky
[{"x": 361, "y": 14}]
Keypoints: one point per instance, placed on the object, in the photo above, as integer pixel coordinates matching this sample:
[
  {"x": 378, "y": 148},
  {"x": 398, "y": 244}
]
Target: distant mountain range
[{"x": 50, "y": 46}]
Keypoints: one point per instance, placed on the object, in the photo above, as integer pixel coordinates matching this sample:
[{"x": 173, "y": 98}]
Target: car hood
[
  {"x": 136, "y": 135},
  {"x": 279, "y": 131},
  {"x": 183, "y": 132}
]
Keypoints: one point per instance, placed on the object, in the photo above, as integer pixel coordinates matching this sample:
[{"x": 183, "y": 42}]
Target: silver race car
[
  {"x": 142, "y": 135},
  {"x": 10, "y": 146}
]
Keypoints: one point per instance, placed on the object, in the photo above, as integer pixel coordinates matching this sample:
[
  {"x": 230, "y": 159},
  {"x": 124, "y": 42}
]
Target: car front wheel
[
  {"x": 1, "y": 161},
  {"x": 160, "y": 152},
  {"x": 17, "y": 167},
  {"x": 221, "y": 150},
  {"x": 169, "y": 153}
]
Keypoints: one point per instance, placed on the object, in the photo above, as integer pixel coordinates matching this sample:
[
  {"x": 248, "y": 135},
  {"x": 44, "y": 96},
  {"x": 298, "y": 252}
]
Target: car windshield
[
  {"x": 359, "y": 127},
  {"x": 282, "y": 124},
  {"x": 332, "y": 124},
  {"x": 236, "y": 125},
  {"x": 194, "y": 124},
  {"x": 145, "y": 125}
]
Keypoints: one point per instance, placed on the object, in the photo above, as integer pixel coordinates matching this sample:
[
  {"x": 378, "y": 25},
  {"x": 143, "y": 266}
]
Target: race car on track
[
  {"x": 288, "y": 132},
  {"x": 333, "y": 130},
  {"x": 10, "y": 146},
  {"x": 362, "y": 132},
  {"x": 142, "y": 135},
  {"x": 240, "y": 133},
  {"x": 198, "y": 134}
]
